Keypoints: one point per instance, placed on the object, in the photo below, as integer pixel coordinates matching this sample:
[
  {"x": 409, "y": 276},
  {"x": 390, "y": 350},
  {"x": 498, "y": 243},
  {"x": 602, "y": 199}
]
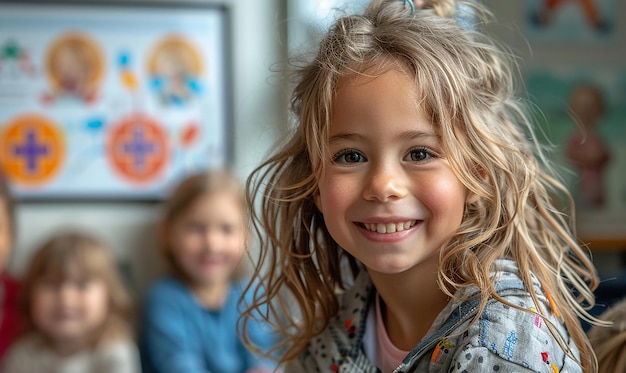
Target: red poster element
[
  {"x": 137, "y": 149},
  {"x": 190, "y": 134}
]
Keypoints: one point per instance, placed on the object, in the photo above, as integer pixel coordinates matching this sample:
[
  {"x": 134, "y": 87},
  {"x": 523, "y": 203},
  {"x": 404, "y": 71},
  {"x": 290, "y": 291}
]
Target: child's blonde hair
[
  {"x": 609, "y": 343},
  {"x": 69, "y": 253},
  {"x": 186, "y": 193},
  {"x": 467, "y": 88}
]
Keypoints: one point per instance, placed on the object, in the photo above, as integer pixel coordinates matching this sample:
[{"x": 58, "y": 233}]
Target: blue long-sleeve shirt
[{"x": 180, "y": 335}]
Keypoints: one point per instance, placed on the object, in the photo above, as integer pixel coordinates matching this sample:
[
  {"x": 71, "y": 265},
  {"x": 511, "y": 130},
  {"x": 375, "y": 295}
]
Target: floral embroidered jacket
[{"x": 504, "y": 339}]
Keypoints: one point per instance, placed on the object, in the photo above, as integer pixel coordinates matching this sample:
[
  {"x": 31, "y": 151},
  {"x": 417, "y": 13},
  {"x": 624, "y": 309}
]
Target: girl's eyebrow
[
  {"x": 411, "y": 135},
  {"x": 407, "y": 135},
  {"x": 345, "y": 136}
]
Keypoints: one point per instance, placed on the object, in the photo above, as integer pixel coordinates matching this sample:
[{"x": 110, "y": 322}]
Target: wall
[
  {"x": 258, "y": 118},
  {"x": 599, "y": 58}
]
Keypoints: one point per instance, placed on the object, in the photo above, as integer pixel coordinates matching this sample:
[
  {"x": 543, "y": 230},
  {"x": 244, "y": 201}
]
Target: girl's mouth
[{"x": 388, "y": 227}]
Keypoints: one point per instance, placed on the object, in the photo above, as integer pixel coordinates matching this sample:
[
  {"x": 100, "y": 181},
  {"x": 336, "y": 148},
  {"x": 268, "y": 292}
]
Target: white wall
[{"x": 259, "y": 115}]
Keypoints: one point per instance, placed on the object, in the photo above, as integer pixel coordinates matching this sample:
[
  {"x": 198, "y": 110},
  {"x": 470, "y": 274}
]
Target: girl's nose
[
  {"x": 385, "y": 183},
  {"x": 211, "y": 239},
  {"x": 66, "y": 294}
]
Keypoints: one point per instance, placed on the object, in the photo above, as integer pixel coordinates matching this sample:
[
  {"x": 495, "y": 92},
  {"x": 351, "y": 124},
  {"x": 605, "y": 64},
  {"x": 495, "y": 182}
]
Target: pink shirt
[{"x": 388, "y": 356}]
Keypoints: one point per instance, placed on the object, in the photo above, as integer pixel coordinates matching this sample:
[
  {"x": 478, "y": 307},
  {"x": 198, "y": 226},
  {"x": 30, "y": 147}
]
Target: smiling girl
[{"x": 407, "y": 225}]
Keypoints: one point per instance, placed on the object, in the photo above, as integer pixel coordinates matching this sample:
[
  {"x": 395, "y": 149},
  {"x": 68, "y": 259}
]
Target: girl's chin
[{"x": 211, "y": 279}]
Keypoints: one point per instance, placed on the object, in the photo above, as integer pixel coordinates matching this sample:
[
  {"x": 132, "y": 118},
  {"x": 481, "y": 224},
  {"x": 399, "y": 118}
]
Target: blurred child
[
  {"x": 609, "y": 343},
  {"x": 585, "y": 148},
  {"x": 76, "y": 310},
  {"x": 190, "y": 318},
  {"x": 9, "y": 289},
  {"x": 415, "y": 166}
]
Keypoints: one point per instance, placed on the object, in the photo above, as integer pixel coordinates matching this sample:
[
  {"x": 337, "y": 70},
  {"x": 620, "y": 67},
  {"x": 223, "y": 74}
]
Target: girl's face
[
  {"x": 69, "y": 311},
  {"x": 209, "y": 239},
  {"x": 388, "y": 195}
]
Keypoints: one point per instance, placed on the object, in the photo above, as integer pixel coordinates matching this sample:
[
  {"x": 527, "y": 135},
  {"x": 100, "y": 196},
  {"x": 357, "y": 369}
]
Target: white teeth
[{"x": 389, "y": 227}]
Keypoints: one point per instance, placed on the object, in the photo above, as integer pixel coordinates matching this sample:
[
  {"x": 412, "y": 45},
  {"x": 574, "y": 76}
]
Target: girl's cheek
[{"x": 98, "y": 299}]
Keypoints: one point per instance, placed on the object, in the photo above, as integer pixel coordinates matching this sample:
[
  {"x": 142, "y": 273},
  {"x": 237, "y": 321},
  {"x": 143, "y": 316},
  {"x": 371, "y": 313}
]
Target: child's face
[
  {"x": 71, "y": 64},
  {"x": 172, "y": 64},
  {"x": 5, "y": 235},
  {"x": 208, "y": 240},
  {"x": 69, "y": 311},
  {"x": 388, "y": 195}
]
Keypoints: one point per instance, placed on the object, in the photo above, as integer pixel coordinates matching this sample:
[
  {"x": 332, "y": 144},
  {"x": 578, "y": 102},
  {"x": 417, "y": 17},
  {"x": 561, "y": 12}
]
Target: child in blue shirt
[{"x": 190, "y": 316}]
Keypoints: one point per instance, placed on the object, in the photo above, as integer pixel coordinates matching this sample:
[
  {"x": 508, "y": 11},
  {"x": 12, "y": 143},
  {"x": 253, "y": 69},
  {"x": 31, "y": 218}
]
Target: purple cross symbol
[
  {"x": 31, "y": 151},
  {"x": 139, "y": 148}
]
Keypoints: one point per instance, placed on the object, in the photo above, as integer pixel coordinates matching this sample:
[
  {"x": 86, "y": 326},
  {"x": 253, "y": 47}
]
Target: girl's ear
[{"x": 247, "y": 237}]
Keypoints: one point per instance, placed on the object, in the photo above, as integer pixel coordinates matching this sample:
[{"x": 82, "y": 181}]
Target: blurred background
[
  {"x": 105, "y": 105},
  {"x": 192, "y": 80}
]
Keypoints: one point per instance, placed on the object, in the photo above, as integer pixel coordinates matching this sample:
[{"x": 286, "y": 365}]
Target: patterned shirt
[{"x": 503, "y": 339}]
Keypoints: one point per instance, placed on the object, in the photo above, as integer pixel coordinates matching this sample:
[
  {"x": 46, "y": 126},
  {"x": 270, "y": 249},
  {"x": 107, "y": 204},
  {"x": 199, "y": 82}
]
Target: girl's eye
[
  {"x": 348, "y": 156},
  {"x": 82, "y": 284},
  {"x": 194, "y": 226},
  {"x": 418, "y": 155},
  {"x": 228, "y": 228},
  {"x": 49, "y": 284}
]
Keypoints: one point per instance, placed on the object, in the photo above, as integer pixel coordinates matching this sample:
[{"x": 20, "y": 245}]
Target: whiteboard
[{"x": 111, "y": 101}]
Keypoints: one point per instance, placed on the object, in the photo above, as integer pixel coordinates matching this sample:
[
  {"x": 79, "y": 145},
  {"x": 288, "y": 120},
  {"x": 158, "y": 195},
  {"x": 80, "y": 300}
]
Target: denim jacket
[{"x": 504, "y": 339}]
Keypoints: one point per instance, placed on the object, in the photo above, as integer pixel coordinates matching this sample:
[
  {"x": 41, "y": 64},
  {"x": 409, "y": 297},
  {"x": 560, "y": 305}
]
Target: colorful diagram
[
  {"x": 127, "y": 99},
  {"x": 175, "y": 67},
  {"x": 32, "y": 149},
  {"x": 137, "y": 149},
  {"x": 75, "y": 67}
]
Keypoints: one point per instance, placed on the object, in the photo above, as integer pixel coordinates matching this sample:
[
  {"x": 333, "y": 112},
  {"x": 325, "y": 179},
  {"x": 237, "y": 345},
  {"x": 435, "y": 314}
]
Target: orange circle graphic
[
  {"x": 74, "y": 64},
  {"x": 137, "y": 149},
  {"x": 174, "y": 54},
  {"x": 32, "y": 149}
]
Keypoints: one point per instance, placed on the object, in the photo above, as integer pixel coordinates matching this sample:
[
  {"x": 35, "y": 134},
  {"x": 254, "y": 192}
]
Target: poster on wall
[
  {"x": 585, "y": 112},
  {"x": 571, "y": 20},
  {"x": 110, "y": 101}
]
